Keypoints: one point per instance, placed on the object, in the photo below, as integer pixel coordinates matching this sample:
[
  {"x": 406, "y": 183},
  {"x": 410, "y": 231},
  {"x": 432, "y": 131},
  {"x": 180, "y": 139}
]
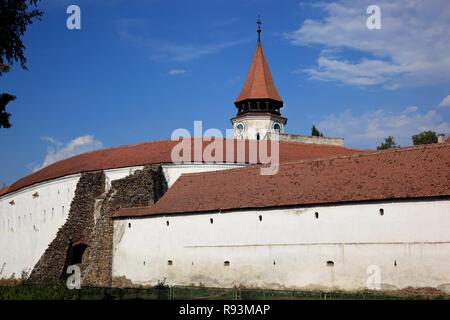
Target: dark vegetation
[{"x": 25, "y": 290}]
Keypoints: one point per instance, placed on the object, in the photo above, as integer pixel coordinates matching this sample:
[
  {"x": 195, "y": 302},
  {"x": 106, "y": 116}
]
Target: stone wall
[
  {"x": 90, "y": 223},
  {"x": 142, "y": 188},
  {"x": 309, "y": 139},
  {"x": 77, "y": 229}
]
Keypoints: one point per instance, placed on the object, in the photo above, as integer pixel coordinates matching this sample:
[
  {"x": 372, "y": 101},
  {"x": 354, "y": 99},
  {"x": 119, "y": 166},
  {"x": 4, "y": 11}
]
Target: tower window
[
  {"x": 169, "y": 262},
  {"x": 260, "y": 217},
  {"x": 381, "y": 211},
  {"x": 226, "y": 263},
  {"x": 167, "y": 223},
  {"x": 129, "y": 225},
  {"x": 211, "y": 220},
  {"x": 257, "y": 136},
  {"x": 277, "y": 127},
  {"x": 316, "y": 215},
  {"x": 330, "y": 263},
  {"x": 240, "y": 128}
]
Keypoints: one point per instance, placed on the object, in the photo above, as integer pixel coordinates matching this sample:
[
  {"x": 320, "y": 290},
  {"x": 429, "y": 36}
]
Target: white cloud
[
  {"x": 412, "y": 48},
  {"x": 131, "y": 30},
  {"x": 59, "y": 151},
  {"x": 369, "y": 129},
  {"x": 176, "y": 72},
  {"x": 186, "y": 52},
  {"x": 445, "y": 102}
]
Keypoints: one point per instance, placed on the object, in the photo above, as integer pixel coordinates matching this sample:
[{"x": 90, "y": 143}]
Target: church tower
[{"x": 258, "y": 105}]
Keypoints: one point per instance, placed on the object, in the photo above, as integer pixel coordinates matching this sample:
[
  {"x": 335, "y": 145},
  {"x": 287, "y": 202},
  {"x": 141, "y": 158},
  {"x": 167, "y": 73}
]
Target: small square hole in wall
[
  {"x": 330, "y": 263},
  {"x": 169, "y": 262},
  {"x": 226, "y": 263},
  {"x": 381, "y": 211}
]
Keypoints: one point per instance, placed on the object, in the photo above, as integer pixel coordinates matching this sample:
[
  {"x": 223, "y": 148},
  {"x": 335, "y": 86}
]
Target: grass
[{"x": 23, "y": 290}]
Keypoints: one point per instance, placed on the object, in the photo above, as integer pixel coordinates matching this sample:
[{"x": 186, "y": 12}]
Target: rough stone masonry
[{"x": 89, "y": 224}]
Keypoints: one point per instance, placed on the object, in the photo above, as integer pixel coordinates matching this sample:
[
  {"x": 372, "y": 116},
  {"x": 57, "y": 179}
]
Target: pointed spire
[{"x": 259, "y": 83}]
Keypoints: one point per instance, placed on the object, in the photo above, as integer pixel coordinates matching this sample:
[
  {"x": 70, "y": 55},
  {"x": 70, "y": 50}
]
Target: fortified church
[{"x": 332, "y": 217}]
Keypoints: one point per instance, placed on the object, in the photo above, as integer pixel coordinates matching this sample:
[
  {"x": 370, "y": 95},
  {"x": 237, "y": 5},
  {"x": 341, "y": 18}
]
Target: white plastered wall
[
  {"x": 290, "y": 248},
  {"x": 29, "y": 221}
]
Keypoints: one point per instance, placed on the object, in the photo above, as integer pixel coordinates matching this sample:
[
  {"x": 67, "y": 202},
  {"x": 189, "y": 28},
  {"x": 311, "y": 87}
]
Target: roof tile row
[{"x": 416, "y": 172}]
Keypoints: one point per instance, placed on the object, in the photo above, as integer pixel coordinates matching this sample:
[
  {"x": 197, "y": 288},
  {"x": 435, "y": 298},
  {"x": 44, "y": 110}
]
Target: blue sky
[{"x": 139, "y": 69}]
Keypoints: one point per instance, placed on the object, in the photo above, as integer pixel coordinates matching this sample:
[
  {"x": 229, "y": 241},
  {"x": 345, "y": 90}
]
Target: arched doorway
[
  {"x": 75, "y": 256},
  {"x": 78, "y": 253}
]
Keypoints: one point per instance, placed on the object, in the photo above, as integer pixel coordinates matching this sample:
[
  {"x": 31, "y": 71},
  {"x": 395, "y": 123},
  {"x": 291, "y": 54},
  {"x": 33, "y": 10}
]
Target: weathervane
[{"x": 258, "y": 22}]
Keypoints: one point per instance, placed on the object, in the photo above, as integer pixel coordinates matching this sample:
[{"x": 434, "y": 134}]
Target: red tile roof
[
  {"x": 4, "y": 190},
  {"x": 408, "y": 173},
  {"x": 259, "y": 83},
  {"x": 153, "y": 153}
]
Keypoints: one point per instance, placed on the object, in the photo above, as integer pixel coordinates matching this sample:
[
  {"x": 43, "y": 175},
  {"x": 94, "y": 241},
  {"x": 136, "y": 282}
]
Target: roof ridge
[
  {"x": 102, "y": 149},
  {"x": 368, "y": 153}
]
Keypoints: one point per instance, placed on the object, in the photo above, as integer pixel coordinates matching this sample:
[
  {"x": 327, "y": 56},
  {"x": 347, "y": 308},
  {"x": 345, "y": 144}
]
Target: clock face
[
  {"x": 240, "y": 128},
  {"x": 277, "y": 127}
]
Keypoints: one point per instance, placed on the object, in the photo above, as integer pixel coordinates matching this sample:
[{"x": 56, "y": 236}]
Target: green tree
[
  {"x": 4, "y": 116},
  {"x": 15, "y": 16},
  {"x": 425, "y": 137},
  {"x": 315, "y": 132},
  {"x": 389, "y": 143}
]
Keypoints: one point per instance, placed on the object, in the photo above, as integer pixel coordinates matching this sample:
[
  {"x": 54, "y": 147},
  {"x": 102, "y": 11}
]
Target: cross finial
[{"x": 258, "y": 22}]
